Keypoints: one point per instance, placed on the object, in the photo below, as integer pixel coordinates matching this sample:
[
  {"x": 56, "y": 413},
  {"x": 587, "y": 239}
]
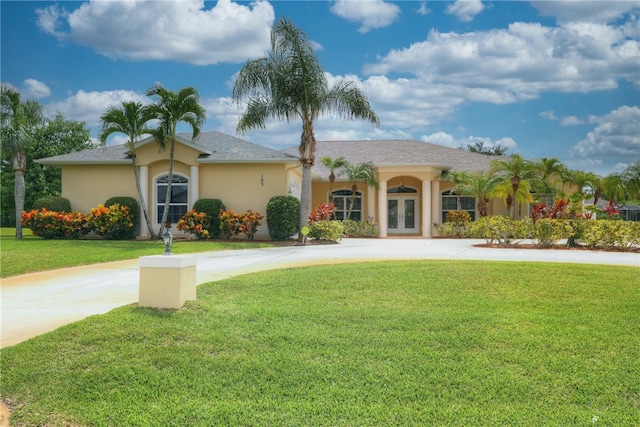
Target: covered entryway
[{"x": 402, "y": 210}]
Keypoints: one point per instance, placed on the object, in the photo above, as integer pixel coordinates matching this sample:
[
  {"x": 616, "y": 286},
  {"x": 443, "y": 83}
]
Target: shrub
[
  {"x": 458, "y": 222},
  {"x": 133, "y": 206},
  {"x": 547, "y": 231},
  {"x": 323, "y": 212},
  {"x": 366, "y": 228},
  {"x": 52, "y": 203},
  {"x": 114, "y": 222},
  {"x": 331, "y": 231},
  {"x": 196, "y": 223},
  {"x": 283, "y": 217},
  {"x": 611, "y": 234},
  {"x": 55, "y": 225},
  {"x": 494, "y": 229},
  {"x": 249, "y": 223},
  {"x": 229, "y": 223},
  {"x": 212, "y": 208}
]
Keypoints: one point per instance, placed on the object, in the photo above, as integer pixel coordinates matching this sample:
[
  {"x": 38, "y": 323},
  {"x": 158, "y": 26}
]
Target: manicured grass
[
  {"x": 32, "y": 254},
  {"x": 369, "y": 344}
]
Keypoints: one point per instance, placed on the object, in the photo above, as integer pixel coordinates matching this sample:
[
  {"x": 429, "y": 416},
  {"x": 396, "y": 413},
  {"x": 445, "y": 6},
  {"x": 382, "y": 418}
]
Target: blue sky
[{"x": 546, "y": 79}]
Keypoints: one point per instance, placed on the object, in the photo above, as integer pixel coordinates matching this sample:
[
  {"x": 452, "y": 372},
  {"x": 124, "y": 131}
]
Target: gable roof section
[
  {"x": 398, "y": 153},
  {"x": 214, "y": 147}
]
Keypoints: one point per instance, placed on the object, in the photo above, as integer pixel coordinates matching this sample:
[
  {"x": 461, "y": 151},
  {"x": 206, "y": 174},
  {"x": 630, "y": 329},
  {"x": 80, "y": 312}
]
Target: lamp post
[{"x": 168, "y": 238}]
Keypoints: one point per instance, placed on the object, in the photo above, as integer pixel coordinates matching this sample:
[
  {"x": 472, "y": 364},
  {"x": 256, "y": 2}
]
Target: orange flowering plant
[
  {"x": 113, "y": 223},
  {"x": 55, "y": 225},
  {"x": 249, "y": 223},
  {"x": 232, "y": 224},
  {"x": 196, "y": 223}
]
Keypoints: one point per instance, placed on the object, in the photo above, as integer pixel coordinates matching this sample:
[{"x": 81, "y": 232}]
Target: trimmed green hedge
[
  {"x": 52, "y": 203},
  {"x": 283, "y": 217},
  {"x": 212, "y": 208}
]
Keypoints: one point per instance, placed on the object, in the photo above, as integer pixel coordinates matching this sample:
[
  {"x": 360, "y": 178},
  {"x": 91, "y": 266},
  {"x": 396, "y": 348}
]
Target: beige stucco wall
[{"x": 87, "y": 186}]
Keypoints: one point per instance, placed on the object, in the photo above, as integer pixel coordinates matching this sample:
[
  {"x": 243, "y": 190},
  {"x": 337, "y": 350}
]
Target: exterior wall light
[{"x": 168, "y": 239}]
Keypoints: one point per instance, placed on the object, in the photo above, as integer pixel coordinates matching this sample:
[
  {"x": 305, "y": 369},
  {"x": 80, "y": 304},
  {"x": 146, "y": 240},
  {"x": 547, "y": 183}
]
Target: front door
[{"x": 402, "y": 214}]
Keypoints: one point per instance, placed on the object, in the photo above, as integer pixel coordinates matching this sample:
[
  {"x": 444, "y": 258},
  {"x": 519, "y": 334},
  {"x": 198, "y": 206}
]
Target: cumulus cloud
[
  {"x": 520, "y": 62},
  {"x": 423, "y": 9},
  {"x": 586, "y": 11},
  {"x": 465, "y": 10},
  {"x": 89, "y": 106},
  {"x": 448, "y": 140},
  {"x": 617, "y": 134},
  {"x": 33, "y": 88},
  {"x": 370, "y": 13},
  {"x": 183, "y": 31}
]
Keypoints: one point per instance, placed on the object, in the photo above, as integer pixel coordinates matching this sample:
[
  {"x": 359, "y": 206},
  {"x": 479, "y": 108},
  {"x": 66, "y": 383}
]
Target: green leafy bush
[
  {"x": 456, "y": 223},
  {"x": 283, "y": 217},
  {"x": 548, "y": 231},
  {"x": 196, "y": 223},
  {"x": 52, "y": 203},
  {"x": 331, "y": 231},
  {"x": 212, "y": 208},
  {"x": 366, "y": 228},
  {"x": 611, "y": 234},
  {"x": 55, "y": 225},
  {"x": 494, "y": 229},
  {"x": 133, "y": 206},
  {"x": 114, "y": 222}
]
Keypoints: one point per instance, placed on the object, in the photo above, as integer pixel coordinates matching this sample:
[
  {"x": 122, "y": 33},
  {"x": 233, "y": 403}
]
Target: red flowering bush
[
  {"x": 196, "y": 223},
  {"x": 55, "y": 225},
  {"x": 113, "y": 223},
  {"x": 323, "y": 212}
]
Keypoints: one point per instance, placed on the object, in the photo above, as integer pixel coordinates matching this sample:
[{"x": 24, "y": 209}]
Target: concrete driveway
[{"x": 36, "y": 303}]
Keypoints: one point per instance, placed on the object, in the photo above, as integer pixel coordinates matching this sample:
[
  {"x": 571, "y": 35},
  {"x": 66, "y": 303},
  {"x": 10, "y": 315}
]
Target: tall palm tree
[
  {"x": 334, "y": 165},
  {"x": 170, "y": 109},
  {"x": 18, "y": 121},
  {"x": 459, "y": 179},
  {"x": 551, "y": 173},
  {"x": 289, "y": 84},
  {"x": 513, "y": 173},
  {"x": 363, "y": 172},
  {"x": 631, "y": 178},
  {"x": 131, "y": 119}
]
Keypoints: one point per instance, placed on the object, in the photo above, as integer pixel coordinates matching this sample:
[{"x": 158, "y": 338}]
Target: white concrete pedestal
[{"x": 167, "y": 281}]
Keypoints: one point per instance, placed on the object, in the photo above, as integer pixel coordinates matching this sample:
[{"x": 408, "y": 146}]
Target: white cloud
[
  {"x": 443, "y": 138},
  {"x": 617, "y": 134},
  {"x": 165, "y": 30},
  {"x": 548, "y": 114},
  {"x": 519, "y": 62},
  {"x": 586, "y": 11},
  {"x": 33, "y": 88},
  {"x": 423, "y": 9},
  {"x": 370, "y": 13},
  {"x": 89, "y": 106},
  {"x": 465, "y": 10},
  {"x": 571, "y": 121}
]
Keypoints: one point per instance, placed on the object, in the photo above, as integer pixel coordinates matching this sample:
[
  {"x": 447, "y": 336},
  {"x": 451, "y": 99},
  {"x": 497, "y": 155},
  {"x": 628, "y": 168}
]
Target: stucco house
[{"x": 411, "y": 198}]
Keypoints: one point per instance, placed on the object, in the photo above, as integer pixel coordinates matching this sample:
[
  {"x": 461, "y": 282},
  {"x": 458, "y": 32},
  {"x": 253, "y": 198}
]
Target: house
[{"x": 411, "y": 198}]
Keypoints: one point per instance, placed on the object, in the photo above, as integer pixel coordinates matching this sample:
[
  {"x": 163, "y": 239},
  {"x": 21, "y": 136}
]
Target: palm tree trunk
[
  {"x": 307, "y": 152},
  {"x": 141, "y": 198},
  {"x": 19, "y": 200},
  {"x": 167, "y": 202},
  {"x": 354, "y": 188}
]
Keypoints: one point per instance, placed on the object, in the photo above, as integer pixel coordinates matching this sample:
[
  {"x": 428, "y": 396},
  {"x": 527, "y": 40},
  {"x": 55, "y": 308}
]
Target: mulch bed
[{"x": 553, "y": 248}]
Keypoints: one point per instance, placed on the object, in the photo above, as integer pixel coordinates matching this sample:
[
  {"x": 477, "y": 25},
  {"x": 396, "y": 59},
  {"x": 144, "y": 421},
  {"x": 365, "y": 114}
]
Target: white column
[
  {"x": 371, "y": 203},
  {"x": 436, "y": 202},
  {"x": 144, "y": 186},
  {"x": 382, "y": 210},
  {"x": 426, "y": 208},
  {"x": 194, "y": 194}
]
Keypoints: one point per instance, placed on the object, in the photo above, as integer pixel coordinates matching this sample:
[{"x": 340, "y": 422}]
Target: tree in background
[
  {"x": 481, "y": 186},
  {"x": 516, "y": 177},
  {"x": 363, "y": 172},
  {"x": 334, "y": 165},
  {"x": 131, "y": 119},
  {"x": 289, "y": 84},
  {"x": 19, "y": 122},
  {"x": 170, "y": 109},
  {"x": 459, "y": 179},
  {"x": 479, "y": 147}
]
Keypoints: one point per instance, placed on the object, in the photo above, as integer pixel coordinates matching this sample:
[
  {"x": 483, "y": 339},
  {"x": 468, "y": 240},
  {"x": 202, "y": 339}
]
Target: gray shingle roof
[
  {"x": 215, "y": 147},
  {"x": 397, "y": 153}
]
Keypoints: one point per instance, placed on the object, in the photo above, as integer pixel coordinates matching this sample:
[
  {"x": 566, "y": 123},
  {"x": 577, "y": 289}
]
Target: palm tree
[
  {"x": 631, "y": 178},
  {"x": 551, "y": 173},
  {"x": 613, "y": 187},
  {"x": 170, "y": 109},
  {"x": 459, "y": 180},
  {"x": 19, "y": 121},
  {"x": 289, "y": 84},
  {"x": 130, "y": 119},
  {"x": 515, "y": 174},
  {"x": 334, "y": 165},
  {"x": 481, "y": 187},
  {"x": 364, "y": 172}
]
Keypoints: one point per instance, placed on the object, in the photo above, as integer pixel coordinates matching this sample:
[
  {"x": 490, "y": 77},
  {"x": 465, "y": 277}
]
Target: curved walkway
[{"x": 33, "y": 304}]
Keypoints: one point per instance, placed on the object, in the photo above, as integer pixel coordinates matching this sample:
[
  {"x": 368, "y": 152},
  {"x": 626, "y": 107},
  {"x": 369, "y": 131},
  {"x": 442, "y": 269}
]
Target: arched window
[
  {"x": 450, "y": 203},
  {"x": 179, "y": 197},
  {"x": 342, "y": 200}
]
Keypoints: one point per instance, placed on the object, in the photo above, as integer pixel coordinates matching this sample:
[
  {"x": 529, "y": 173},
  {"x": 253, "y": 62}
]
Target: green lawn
[
  {"x": 32, "y": 254},
  {"x": 411, "y": 343}
]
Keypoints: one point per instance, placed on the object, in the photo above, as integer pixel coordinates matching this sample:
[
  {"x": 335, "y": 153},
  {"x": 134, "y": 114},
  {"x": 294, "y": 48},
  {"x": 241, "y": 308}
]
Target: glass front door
[{"x": 402, "y": 214}]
